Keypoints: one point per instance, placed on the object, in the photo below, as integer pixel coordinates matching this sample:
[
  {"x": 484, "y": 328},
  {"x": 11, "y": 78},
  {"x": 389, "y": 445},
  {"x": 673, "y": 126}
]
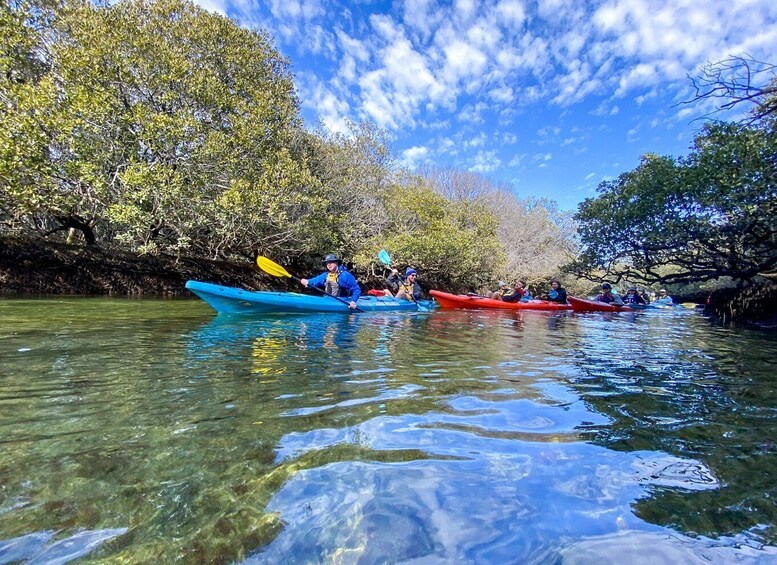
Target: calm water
[{"x": 152, "y": 431}]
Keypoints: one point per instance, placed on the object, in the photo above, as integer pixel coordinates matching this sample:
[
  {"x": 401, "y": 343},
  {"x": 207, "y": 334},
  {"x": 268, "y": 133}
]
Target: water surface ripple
[{"x": 153, "y": 431}]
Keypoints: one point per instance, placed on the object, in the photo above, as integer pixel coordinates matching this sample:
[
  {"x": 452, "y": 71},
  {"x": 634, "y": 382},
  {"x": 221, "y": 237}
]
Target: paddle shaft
[
  {"x": 411, "y": 287},
  {"x": 272, "y": 268},
  {"x": 325, "y": 293}
]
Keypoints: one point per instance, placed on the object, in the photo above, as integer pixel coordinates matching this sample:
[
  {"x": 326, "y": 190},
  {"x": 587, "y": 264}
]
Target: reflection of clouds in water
[
  {"x": 457, "y": 434},
  {"x": 501, "y": 507},
  {"x": 502, "y": 500},
  {"x": 36, "y": 548},
  {"x": 405, "y": 391},
  {"x": 649, "y": 548}
]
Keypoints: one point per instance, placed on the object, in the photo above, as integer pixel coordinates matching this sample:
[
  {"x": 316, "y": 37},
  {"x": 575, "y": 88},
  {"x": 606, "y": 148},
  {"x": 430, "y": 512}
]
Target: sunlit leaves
[
  {"x": 709, "y": 215},
  {"x": 154, "y": 110}
]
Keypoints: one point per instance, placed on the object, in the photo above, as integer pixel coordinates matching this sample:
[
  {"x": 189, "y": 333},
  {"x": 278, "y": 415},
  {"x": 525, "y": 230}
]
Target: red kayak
[
  {"x": 446, "y": 300},
  {"x": 581, "y": 305}
]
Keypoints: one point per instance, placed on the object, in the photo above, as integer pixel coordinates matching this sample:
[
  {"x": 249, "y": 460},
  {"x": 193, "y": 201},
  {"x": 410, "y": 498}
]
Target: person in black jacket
[
  {"x": 633, "y": 297},
  {"x": 608, "y": 297},
  {"x": 516, "y": 294},
  {"x": 557, "y": 293},
  {"x": 407, "y": 289}
]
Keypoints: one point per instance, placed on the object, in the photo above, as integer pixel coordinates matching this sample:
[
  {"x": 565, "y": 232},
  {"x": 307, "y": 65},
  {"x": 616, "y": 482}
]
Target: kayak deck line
[{"x": 448, "y": 300}]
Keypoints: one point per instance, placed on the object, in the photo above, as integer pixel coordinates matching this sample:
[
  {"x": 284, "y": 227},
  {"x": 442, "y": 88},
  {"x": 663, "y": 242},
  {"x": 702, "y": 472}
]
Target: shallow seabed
[{"x": 151, "y": 431}]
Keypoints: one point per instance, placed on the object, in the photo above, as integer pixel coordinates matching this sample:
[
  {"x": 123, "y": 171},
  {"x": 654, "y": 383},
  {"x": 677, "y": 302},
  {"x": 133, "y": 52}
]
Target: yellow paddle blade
[{"x": 271, "y": 267}]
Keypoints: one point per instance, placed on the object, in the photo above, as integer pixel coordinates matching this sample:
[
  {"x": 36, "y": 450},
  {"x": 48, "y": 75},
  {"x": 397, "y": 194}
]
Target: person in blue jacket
[{"x": 336, "y": 280}]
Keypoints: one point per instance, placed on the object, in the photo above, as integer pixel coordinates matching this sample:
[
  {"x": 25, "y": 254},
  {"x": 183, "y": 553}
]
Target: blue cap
[{"x": 410, "y": 271}]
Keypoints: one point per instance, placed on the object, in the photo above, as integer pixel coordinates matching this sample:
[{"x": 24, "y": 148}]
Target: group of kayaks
[{"x": 229, "y": 300}]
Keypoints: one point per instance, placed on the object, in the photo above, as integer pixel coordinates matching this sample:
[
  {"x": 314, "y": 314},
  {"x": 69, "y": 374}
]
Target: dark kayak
[{"x": 582, "y": 305}]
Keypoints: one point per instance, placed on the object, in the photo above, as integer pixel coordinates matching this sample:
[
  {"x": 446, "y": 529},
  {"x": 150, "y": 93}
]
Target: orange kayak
[{"x": 446, "y": 300}]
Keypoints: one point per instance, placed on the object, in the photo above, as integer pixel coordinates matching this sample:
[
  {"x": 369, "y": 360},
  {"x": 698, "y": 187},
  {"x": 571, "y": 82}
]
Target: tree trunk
[
  {"x": 754, "y": 305},
  {"x": 76, "y": 223}
]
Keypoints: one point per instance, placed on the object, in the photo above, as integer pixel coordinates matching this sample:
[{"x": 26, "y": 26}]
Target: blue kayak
[{"x": 229, "y": 300}]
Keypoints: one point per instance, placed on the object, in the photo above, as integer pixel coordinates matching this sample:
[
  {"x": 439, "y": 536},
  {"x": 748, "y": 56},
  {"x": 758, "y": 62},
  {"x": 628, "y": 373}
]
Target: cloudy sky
[{"x": 550, "y": 97}]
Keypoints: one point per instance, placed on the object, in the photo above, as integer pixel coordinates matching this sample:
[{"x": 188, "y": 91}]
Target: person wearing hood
[
  {"x": 336, "y": 280},
  {"x": 407, "y": 288}
]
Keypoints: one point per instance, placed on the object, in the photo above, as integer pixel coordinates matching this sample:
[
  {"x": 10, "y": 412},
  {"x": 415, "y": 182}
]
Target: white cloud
[
  {"x": 296, "y": 9},
  {"x": 463, "y": 10},
  {"x": 684, "y": 113},
  {"x": 517, "y": 160},
  {"x": 477, "y": 141},
  {"x": 353, "y": 47},
  {"x": 462, "y": 60},
  {"x": 643, "y": 74},
  {"x": 511, "y": 12},
  {"x": 491, "y": 66},
  {"x": 485, "y": 162},
  {"x": 502, "y": 94},
  {"x": 414, "y": 156},
  {"x": 549, "y": 131},
  {"x": 421, "y": 16},
  {"x": 472, "y": 113}
]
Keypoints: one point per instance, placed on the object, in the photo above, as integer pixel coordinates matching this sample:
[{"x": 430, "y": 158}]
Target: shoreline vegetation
[
  {"x": 43, "y": 268},
  {"x": 145, "y": 143}
]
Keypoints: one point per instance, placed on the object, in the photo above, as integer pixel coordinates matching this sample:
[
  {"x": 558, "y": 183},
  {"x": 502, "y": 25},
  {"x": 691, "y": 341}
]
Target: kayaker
[
  {"x": 557, "y": 293},
  {"x": 336, "y": 280},
  {"x": 663, "y": 299},
  {"x": 607, "y": 296},
  {"x": 516, "y": 294},
  {"x": 632, "y": 297},
  {"x": 407, "y": 289}
]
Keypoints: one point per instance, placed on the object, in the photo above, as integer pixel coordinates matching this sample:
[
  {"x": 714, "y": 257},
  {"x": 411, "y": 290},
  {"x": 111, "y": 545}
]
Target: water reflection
[{"x": 458, "y": 436}]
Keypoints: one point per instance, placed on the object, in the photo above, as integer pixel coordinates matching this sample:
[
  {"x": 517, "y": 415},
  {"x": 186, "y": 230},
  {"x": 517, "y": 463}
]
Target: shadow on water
[{"x": 131, "y": 435}]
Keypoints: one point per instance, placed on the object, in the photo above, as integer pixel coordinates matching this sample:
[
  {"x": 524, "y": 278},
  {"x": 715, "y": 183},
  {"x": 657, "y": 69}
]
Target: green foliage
[
  {"x": 162, "y": 124},
  {"x": 354, "y": 176},
  {"x": 452, "y": 243},
  {"x": 163, "y": 127},
  {"x": 712, "y": 214}
]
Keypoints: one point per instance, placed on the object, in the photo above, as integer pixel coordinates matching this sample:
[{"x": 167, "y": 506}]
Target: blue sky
[{"x": 550, "y": 97}]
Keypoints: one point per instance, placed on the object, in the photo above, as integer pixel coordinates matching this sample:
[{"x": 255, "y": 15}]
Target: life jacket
[
  {"x": 407, "y": 287},
  {"x": 629, "y": 298},
  {"x": 332, "y": 286}
]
